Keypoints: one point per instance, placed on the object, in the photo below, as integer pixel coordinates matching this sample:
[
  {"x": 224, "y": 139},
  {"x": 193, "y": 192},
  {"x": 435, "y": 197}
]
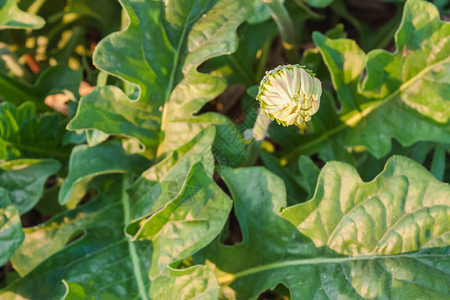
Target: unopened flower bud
[{"x": 290, "y": 94}]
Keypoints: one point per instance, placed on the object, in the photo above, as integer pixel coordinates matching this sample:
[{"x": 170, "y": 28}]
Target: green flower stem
[
  {"x": 102, "y": 78},
  {"x": 259, "y": 132},
  {"x": 286, "y": 28}
]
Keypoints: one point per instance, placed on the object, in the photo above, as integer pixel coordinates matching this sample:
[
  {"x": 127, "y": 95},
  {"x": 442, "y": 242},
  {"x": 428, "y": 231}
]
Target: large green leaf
[
  {"x": 25, "y": 179},
  {"x": 178, "y": 123},
  {"x": 187, "y": 223},
  {"x": 161, "y": 183},
  {"x": 180, "y": 209},
  {"x": 401, "y": 210},
  {"x": 92, "y": 237},
  {"x": 108, "y": 109},
  {"x": 404, "y": 94},
  {"x": 87, "y": 162},
  {"x": 162, "y": 45},
  {"x": 11, "y": 234},
  {"x": 24, "y": 134},
  {"x": 85, "y": 246},
  {"x": 11, "y": 17},
  {"x": 163, "y": 41},
  {"x": 348, "y": 255}
]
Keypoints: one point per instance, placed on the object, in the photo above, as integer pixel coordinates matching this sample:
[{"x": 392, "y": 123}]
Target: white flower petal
[
  {"x": 307, "y": 102},
  {"x": 288, "y": 80},
  {"x": 317, "y": 89},
  {"x": 315, "y": 106},
  {"x": 296, "y": 81},
  {"x": 277, "y": 100},
  {"x": 276, "y": 88},
  {"x": 273, "y": 109},
  {"x": 290, "y": 120},
  {"x": 282, "y": 115},
  {"x": 289, "y": 94},
  {"x": 307, "y": 83},
  {"x": 281, "y": 87}
]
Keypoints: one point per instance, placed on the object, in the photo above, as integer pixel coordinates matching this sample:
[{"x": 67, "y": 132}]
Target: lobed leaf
[
  {"x": 174, "y": 42},
  {"x": 92, "y": 236},
  {"x": 401, "y": 210},
  {"x": 85, "y": 246},
  {"x": 161, "y": 183},
  {"x": 359, "y": 253},
  {"x": 187, "y": 223}
]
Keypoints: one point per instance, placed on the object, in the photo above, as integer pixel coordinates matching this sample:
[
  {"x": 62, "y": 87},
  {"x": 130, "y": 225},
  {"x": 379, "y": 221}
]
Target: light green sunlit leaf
[
  {"x": 180, "y": 36},
  {"x": 355, "y": 240},
  {"x": 11, "y": 17},
  {"x": 11, "y": 234}
]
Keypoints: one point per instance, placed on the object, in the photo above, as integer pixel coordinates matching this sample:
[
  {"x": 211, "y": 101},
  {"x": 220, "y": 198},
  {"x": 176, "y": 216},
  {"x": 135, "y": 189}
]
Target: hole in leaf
[
  {"x": 317, "y": 161},
  {"x": 234, "y": 230},
  {"x": 32, "y": 218},
  {"x": 184, "y": 264},
  {"x": 51, "y": 181},
  {"x": 226, "y": 102},
  {"x": 76, "y": 236},
  {"x": 7, "y": 274},
  {"x": 234, "y": 233},
  {"x": 280, "y": 292},
  {"x": 90, "y": 194}
]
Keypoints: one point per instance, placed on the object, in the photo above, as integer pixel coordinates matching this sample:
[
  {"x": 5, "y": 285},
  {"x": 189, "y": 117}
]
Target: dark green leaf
[
  {"x": 25, "y": 179},
  {"x": 319, "y": 3},
  {"x": 53, "y": 80},
  {"x": 24, "y": 134},
  {"x": 438, "y": 164},
  {"x": 87, "y": 162},
  {"x": 87, "y": 247}
]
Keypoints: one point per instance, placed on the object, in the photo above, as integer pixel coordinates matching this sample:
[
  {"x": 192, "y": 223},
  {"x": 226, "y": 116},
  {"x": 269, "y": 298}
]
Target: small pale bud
[{"x": 290, "y": 94}]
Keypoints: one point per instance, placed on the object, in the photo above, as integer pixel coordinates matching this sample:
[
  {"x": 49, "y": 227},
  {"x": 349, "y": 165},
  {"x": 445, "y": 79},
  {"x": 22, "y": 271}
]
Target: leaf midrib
[
  {"x": 133, "y": 252},
  {"x": 228, "y": 278},
  {"x": 176, "y": 58},
  {"x": 352, "y": 118}
]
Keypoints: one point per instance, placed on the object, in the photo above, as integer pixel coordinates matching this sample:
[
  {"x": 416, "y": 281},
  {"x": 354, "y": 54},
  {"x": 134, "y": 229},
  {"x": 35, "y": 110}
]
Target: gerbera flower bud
[{"x": 290, "y": 94}]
